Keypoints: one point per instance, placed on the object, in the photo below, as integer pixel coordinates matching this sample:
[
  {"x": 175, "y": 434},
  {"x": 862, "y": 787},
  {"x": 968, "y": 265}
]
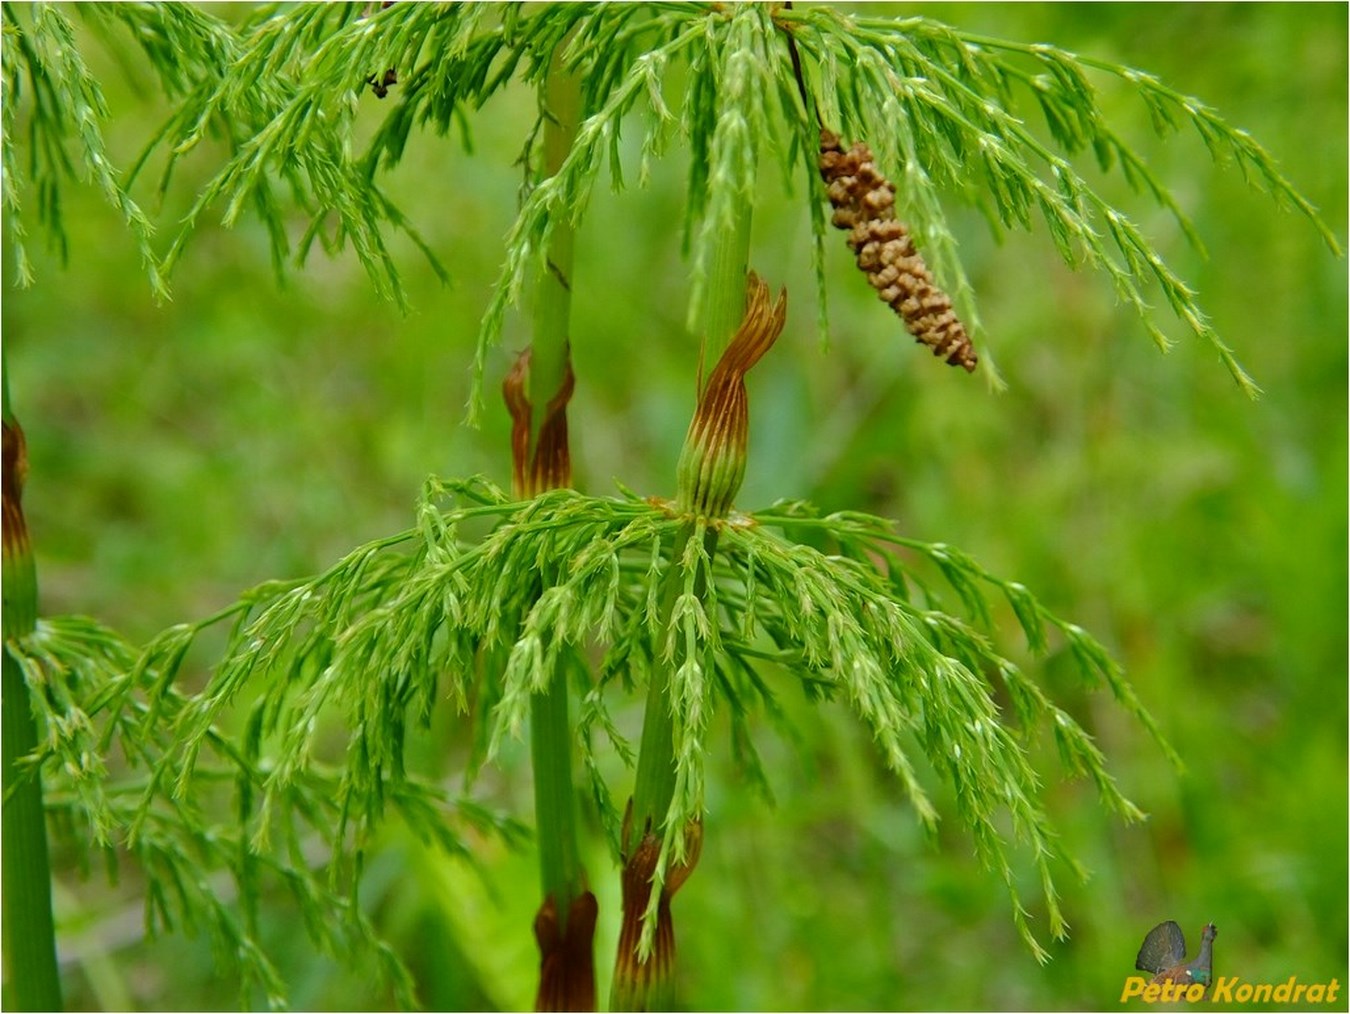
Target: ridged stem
[
  {"x": 654, "y": 786},
  {"x": 724, "y": 297},
  {"x": 566, "y": 923},
  {"x": 32, "y": 981},
  {"x": 560, "y": 872},
  {"x": 647, "y": 984},
  {"x": 553, "y": 301},
  {"x": 721, "y": 312}
]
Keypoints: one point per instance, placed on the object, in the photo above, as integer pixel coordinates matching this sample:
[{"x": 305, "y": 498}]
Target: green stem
[
  {"x": 644, "y": 980},
  {"x": 555, "y": 803},
  {"x": 724, "y": 297},
  {"x": 29, "y": 932},
  {"x": 721, "y": 311},
  {"x": 567, "y": 976},
  {"x": 553, "y": 304},
  {"x": 554, "y": 797},
  {"x": 654, "y": 786}
]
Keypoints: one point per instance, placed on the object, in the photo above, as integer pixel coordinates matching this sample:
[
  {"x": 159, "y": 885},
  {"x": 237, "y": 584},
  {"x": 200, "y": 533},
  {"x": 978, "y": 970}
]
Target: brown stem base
[
  {"x": 566, "y": 958},
  {"x": 646, "y": 985}
]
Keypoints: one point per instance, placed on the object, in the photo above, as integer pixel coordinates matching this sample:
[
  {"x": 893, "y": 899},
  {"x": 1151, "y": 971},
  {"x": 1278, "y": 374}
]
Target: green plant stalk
[
  {"x": 29, "y": 932},
  {"x": 562, "y": 878},
  {"x": 722, "y": 309},
  {"x": 553, "y": 305},
  {"x": 654, "y": 785},
  {"x": 645, "y": 982},
  {"x": 724, "y": 298}
]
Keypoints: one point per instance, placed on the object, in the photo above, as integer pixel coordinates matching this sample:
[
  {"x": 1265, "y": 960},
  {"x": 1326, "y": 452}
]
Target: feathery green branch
[{"x": 853, "y": 622}]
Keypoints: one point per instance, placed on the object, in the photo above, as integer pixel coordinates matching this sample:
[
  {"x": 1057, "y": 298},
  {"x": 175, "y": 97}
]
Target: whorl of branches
[{"x": 945, "y": 112}]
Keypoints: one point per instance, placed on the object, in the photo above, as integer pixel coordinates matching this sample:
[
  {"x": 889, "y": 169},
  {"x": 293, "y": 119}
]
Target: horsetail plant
[{"x": 514, "y": 606}]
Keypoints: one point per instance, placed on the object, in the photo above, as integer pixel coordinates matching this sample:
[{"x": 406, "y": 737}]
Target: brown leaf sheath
[
  {"x": 864, "y": 204},
  {"x": 644, "y": 985},
  {"x": 566, "y": 967},
  {"x": 712, "y": 464},
  {"x": 15, "y": 471},
  {"x": 550, "y": 464}
]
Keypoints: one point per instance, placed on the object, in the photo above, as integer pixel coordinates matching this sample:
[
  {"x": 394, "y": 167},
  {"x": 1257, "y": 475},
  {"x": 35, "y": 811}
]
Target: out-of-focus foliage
[{"x": 247, "y": 431}]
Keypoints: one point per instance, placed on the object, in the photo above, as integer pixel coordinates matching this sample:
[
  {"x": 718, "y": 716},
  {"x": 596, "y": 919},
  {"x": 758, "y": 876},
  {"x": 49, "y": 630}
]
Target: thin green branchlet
[
  {"x": 95, "y": 696},
  {"x": 585, "y": 541},
  {"x": 423, "y": 602},
  {"x": 42, "y": 64}
]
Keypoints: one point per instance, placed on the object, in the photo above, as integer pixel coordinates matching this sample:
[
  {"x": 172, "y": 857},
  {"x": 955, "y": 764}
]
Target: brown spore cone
[{"x": 864, "y": 204}]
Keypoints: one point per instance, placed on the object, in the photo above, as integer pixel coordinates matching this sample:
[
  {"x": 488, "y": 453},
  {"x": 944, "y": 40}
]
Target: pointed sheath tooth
[
  {"x": 513, "y": 393},
  {"x": 552, "y": 463}
]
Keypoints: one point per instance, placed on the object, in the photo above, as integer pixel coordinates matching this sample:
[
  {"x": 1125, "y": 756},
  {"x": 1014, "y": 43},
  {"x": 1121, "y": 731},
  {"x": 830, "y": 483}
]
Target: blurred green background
[{"x": 248, "y": 430}]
